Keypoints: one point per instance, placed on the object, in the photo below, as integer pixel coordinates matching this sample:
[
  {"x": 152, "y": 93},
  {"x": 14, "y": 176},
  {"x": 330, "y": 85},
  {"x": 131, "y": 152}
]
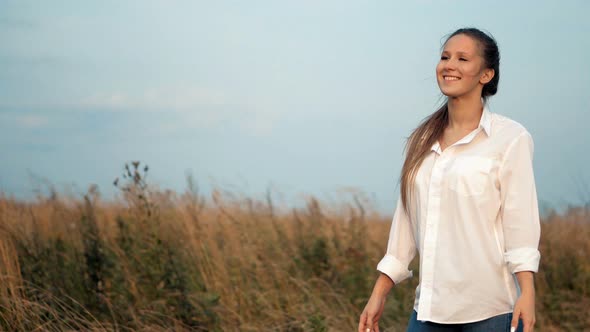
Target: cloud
[
  {"x": 192, "y": 107},
  {"x": 32, "y": 121},
  {"x": 17, "y": 23},
  {"x": 261, "y": 124},
  {"x": 157, "y": 99},
  {"x": 24, "y": 60},
  {"x": 179, "y": 107}
]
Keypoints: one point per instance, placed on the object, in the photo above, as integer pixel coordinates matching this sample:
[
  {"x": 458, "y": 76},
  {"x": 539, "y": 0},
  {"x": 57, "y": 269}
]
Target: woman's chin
[
  {"x": 447, "y": 90},
  {"x": 450, "y": 94}
]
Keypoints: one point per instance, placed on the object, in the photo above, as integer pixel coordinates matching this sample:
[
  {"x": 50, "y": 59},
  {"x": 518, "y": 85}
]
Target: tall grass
[{"x": 161, "y": 261}]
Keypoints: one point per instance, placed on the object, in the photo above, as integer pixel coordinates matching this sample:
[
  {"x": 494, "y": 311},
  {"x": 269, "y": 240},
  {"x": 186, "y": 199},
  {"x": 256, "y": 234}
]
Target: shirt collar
[{"x": 485, "y": 122}]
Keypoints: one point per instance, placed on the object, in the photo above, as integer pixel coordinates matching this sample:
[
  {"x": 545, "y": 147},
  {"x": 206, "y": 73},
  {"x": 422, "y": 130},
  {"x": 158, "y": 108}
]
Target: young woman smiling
[{"x": 467, "y": 205}]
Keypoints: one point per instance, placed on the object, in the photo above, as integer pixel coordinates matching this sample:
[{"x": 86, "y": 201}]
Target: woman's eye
[
  {"x": 444, "y": 57},
  {"x": 462, "y": 59}
]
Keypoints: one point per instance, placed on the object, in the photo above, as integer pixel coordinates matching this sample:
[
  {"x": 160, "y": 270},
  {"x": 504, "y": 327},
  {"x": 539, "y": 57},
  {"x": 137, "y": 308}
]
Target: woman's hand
[
  {"x": 524, "y": 308},
  {"x": 369, "y": 320}
]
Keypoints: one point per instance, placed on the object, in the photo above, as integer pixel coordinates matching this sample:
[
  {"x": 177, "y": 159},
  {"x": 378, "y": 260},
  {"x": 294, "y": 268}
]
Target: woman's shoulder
[{"x": 507, "y": 126}]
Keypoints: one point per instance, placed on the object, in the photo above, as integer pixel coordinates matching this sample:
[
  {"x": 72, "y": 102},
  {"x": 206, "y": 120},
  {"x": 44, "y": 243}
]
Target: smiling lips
[{"x": 451, "y": 78}]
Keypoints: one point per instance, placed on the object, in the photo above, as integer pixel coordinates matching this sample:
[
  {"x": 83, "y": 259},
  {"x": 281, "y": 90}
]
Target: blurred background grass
[{"x": 159, "y": 261}]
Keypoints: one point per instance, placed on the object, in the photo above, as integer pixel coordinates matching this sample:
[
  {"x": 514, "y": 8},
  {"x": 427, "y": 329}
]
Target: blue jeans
[{"x": 498, "y": 323}]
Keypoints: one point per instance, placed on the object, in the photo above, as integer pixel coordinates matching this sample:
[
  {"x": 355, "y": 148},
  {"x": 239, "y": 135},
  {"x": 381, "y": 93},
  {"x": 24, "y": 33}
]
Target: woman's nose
[{"x": 450, "y": 64}]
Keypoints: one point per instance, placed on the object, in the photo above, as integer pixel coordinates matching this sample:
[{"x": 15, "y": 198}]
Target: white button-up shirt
[{"x": 474, "y": 220}]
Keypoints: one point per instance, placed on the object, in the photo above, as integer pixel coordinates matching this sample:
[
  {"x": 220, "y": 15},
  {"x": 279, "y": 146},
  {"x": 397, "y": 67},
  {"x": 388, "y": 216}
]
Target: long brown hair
[{"x": 432, "y": 127}]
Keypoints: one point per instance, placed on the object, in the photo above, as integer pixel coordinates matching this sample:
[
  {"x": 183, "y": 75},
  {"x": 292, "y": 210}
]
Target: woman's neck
[{"x": 464, "y": 112}]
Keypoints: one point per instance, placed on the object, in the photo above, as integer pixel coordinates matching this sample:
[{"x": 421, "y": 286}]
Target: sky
[{"x": 297, "y": 97}]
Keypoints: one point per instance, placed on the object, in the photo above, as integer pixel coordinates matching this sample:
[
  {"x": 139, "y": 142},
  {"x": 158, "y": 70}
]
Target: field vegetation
[{"x": 156, "y": 260}]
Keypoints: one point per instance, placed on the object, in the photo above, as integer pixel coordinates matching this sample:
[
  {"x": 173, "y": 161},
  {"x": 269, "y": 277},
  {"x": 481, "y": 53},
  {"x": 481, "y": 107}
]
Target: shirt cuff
[
  {"x": 394, "y": 269},
  {"x": 522, "y": 259}
]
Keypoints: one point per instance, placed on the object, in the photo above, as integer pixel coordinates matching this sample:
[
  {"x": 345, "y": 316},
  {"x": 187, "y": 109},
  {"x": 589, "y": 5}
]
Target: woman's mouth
[{"x": 451, "y": 78}]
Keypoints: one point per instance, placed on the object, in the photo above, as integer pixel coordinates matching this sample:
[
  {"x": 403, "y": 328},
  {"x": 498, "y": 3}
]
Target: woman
[{"x": 468, "y": 206}]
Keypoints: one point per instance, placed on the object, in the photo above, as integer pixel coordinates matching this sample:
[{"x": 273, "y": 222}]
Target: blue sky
[{"x": 306, "y": 97}]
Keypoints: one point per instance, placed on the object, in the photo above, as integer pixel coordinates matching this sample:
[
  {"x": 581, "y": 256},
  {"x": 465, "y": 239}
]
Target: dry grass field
[{"x": 161, "y": 261}]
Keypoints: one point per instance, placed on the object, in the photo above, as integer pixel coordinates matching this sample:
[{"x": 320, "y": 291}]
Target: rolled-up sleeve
[
  {"x": 519, "y": 206},
  {"x": 401, "y": 247}
]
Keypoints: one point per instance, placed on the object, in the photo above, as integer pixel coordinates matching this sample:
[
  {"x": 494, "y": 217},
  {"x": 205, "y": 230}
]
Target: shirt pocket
[{"x": 469, "y": 176}]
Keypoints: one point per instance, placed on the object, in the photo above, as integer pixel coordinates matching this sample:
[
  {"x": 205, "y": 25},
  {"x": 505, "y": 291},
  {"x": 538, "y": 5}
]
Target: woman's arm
[
  {"x": 393, "y": 268},
  {"x": 369, "y": 320},
  {"x": 521, "y": 224},
  {"x": 383, "y": 285},
  {"x": 526, "y": 282},
  {"x": 519, "y": 206},
  {"x": 524, "y": 309}
]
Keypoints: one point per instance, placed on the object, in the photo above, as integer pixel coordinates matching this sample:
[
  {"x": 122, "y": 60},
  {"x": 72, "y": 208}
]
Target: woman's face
[{"x": 460, "y": 70}]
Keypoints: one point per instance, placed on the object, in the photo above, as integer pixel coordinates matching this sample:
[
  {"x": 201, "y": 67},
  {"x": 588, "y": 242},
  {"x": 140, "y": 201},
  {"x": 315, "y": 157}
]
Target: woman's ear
[{"x": 487, "y": 76}]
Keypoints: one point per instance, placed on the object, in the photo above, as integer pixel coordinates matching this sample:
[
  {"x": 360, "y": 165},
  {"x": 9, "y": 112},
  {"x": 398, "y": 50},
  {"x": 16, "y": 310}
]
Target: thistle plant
[{"x": 135, "y": 188}]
